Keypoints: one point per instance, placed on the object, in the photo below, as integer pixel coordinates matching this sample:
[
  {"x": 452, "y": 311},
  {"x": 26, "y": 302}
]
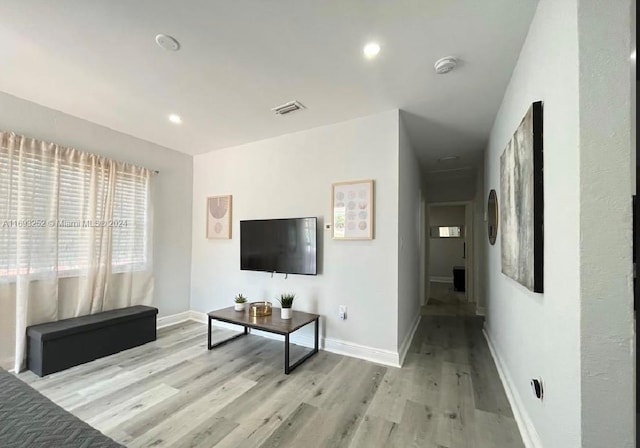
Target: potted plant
[
  {"x": 286, "y": 301},
  {"x": 241, "y": 302}
]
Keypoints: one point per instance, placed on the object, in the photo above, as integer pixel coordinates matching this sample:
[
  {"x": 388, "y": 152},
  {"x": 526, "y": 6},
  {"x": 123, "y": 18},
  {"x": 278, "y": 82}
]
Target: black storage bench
[{"x": 56, "y": 346}]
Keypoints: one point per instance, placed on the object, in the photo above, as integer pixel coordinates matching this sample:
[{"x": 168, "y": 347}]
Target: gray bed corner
[{"x": 29, "y": 419}]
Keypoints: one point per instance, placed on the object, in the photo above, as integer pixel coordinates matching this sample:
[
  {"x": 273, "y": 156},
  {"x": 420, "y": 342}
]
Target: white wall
[
  {"x": 480, "y": 239},
  {"x": 409, "y": 240},
  {"x": 566, "y": 335},
  {"x": 539, "y": 334},
  {"x": 172, "y": 196},
  {"x": 606, "y": 300},
  {"x": 445, "y": 253},
  {"x": 291, "y": 176}
]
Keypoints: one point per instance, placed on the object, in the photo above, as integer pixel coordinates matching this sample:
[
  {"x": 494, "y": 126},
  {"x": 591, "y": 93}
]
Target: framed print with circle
[
  {"x": 219, "y": 217},
  {"x": 352, "y": 205}
]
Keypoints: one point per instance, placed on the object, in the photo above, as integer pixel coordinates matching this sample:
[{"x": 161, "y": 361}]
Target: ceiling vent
[{"x": 291, "y": 106}]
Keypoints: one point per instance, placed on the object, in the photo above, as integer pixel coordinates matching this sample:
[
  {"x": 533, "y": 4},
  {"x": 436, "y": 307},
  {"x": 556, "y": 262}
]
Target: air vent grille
[{"x": 291, "y": 106}]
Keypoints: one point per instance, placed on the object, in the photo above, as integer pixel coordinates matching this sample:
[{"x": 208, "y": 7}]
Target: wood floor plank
[
  {"x": 496, "y": 431},
  {"x": 199, "y": 411},
  {"x": 128, "y": 409},
  {"x": 389, "y": 401},
  {"x": 204, "y": 379},
  {"x": 350, "y": 378},
  {"x": 456, "y": 417},
  {"x": 286, "y": 434},
  {"x": 169, "y": 376},
  {"x": 260, "y": 418},
  {"x": 375, "y": 431},
  {"x": 342, "y": 398},
  {"x": 488, "y": 392},
  {"x": 418, "y": 426},
  {"x": 59, "y": 389},
  {"x": 207, "y": 434},
  {"x": 128, "y": 377},
  {"x": 422, "y": 375}
]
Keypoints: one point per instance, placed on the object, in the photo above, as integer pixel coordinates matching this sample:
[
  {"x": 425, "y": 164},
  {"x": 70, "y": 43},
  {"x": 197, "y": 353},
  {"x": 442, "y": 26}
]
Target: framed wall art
[
  {"x": 352, "y": 205},
  {"x": 522, "y": 203},
  {"x": 219, "y": 217}
]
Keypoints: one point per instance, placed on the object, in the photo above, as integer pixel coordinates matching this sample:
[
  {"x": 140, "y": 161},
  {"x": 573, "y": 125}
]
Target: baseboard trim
[
  {"x": 173, "y": 319},
  {"x": 198, "y": 316},
  {"x": 379, "y": 356},
  {"x": 437, "y": 279},
  {"x": 404, "y": 347},
  {"x": 528, "y": 431}
]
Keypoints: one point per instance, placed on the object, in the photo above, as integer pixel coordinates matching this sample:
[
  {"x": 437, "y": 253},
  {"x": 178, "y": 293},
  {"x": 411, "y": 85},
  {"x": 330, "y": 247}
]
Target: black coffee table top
[{"x": 273, "y": 323}]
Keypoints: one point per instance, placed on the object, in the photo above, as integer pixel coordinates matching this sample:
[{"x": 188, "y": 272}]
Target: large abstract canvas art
[{"x": 522, "y": 203}]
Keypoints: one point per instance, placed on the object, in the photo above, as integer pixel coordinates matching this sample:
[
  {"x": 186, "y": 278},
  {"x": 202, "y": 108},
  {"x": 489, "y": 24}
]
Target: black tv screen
[{"x": 279, "y": 245}]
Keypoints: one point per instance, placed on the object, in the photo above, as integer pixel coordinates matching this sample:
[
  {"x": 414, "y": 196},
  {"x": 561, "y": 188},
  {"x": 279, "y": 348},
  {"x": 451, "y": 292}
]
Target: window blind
[{"x": 53, "y": 214}]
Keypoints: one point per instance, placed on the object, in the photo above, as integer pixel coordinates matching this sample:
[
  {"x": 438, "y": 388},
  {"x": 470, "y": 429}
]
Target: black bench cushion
[{"x": 67, "y": 327}]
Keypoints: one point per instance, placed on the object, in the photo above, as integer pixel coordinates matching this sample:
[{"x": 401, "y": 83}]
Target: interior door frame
[{"x": 470, "y": 264}]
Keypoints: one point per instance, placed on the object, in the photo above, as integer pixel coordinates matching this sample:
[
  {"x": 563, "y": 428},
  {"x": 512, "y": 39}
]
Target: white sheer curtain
[{"x": 75, "y": 234}]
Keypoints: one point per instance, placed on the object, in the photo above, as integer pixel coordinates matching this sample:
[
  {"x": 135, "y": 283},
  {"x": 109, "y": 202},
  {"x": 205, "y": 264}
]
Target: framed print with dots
[
  {"x": 219, "y": 217},
  {"x": 352, "y": 205}
]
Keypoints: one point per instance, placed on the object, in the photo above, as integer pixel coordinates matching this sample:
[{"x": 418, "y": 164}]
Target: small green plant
[
  {"x": 240, "y": 299},
  {"x": 286, "y": 300}
]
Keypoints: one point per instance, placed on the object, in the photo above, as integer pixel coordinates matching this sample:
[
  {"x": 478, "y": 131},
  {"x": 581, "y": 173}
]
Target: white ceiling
[{"x": 97, "y": 60}]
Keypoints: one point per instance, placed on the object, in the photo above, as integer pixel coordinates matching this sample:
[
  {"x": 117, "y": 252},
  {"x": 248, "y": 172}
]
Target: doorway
[{"x": 450, "y": 290}]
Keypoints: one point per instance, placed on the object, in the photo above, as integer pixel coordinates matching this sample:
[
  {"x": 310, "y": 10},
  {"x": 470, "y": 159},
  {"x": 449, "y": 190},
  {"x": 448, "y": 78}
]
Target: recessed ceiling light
[
  {"x": 173, "y": 118},
  {"x": 371, "y": 50},
  {"x": 448, "y": 159},
  {"x": 167, "y": 42}
]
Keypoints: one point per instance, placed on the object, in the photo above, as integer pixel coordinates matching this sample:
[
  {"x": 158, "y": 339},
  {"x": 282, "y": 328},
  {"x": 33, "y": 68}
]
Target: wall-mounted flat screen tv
[{"x": 279, "y": 245}]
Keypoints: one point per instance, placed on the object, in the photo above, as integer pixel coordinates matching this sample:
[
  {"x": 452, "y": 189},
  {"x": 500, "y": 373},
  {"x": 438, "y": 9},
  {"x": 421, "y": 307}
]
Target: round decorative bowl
[{"x": 258, "y": 309}]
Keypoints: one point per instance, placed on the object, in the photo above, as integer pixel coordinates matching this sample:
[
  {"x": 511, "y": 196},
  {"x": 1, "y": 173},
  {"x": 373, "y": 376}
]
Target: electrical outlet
[
  {"x": 342, "y": 313},
  {"x": 538, "y": 389}
]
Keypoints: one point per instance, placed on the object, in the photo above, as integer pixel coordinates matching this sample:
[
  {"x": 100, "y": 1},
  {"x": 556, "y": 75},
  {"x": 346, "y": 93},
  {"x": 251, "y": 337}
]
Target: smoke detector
[
  {"x": 445, "y": 65},
  {"x": 287, "y": 108},
  {"x": 167, "y": 42}
]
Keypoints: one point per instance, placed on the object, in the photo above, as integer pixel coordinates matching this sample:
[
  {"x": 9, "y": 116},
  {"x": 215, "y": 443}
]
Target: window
[
  {"x": 60, "y": 214},
  {"x": 446, "y": 232}
]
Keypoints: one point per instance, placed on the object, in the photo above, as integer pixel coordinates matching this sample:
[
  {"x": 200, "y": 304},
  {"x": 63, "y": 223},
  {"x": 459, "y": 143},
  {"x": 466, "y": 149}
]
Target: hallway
[
  {"x": 444, "y": 301},
  {"x": 455, "y": 351}
]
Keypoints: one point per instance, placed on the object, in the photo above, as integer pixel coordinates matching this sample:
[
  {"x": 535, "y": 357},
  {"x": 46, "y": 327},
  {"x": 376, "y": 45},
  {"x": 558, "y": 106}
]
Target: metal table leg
[
  {"x": 217, "y": 344},
  {"x": 286, "y": 355},
  {"x": 289, "y": 368}
]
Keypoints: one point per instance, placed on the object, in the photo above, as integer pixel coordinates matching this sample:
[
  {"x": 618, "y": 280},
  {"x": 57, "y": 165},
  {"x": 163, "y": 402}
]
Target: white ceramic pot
[
  {"x": 240, "y": 306},
  {"x": 285, "y": 313}
]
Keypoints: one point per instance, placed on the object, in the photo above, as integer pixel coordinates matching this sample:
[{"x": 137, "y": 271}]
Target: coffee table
[{"x": 271, "y": 324}]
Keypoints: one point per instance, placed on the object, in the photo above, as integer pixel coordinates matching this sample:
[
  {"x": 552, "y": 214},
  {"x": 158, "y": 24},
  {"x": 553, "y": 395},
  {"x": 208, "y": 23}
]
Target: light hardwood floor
[
  {"x": 444, "y": 301},
  {"x": 175, "y": 393}
]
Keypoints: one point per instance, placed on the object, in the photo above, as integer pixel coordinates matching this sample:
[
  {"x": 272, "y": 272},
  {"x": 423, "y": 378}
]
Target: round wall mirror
[{"x": 492, "y": 216}]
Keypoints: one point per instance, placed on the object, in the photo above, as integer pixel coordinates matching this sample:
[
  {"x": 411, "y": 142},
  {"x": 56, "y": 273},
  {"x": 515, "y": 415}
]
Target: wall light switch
[{"x": 342, "y": 313}]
